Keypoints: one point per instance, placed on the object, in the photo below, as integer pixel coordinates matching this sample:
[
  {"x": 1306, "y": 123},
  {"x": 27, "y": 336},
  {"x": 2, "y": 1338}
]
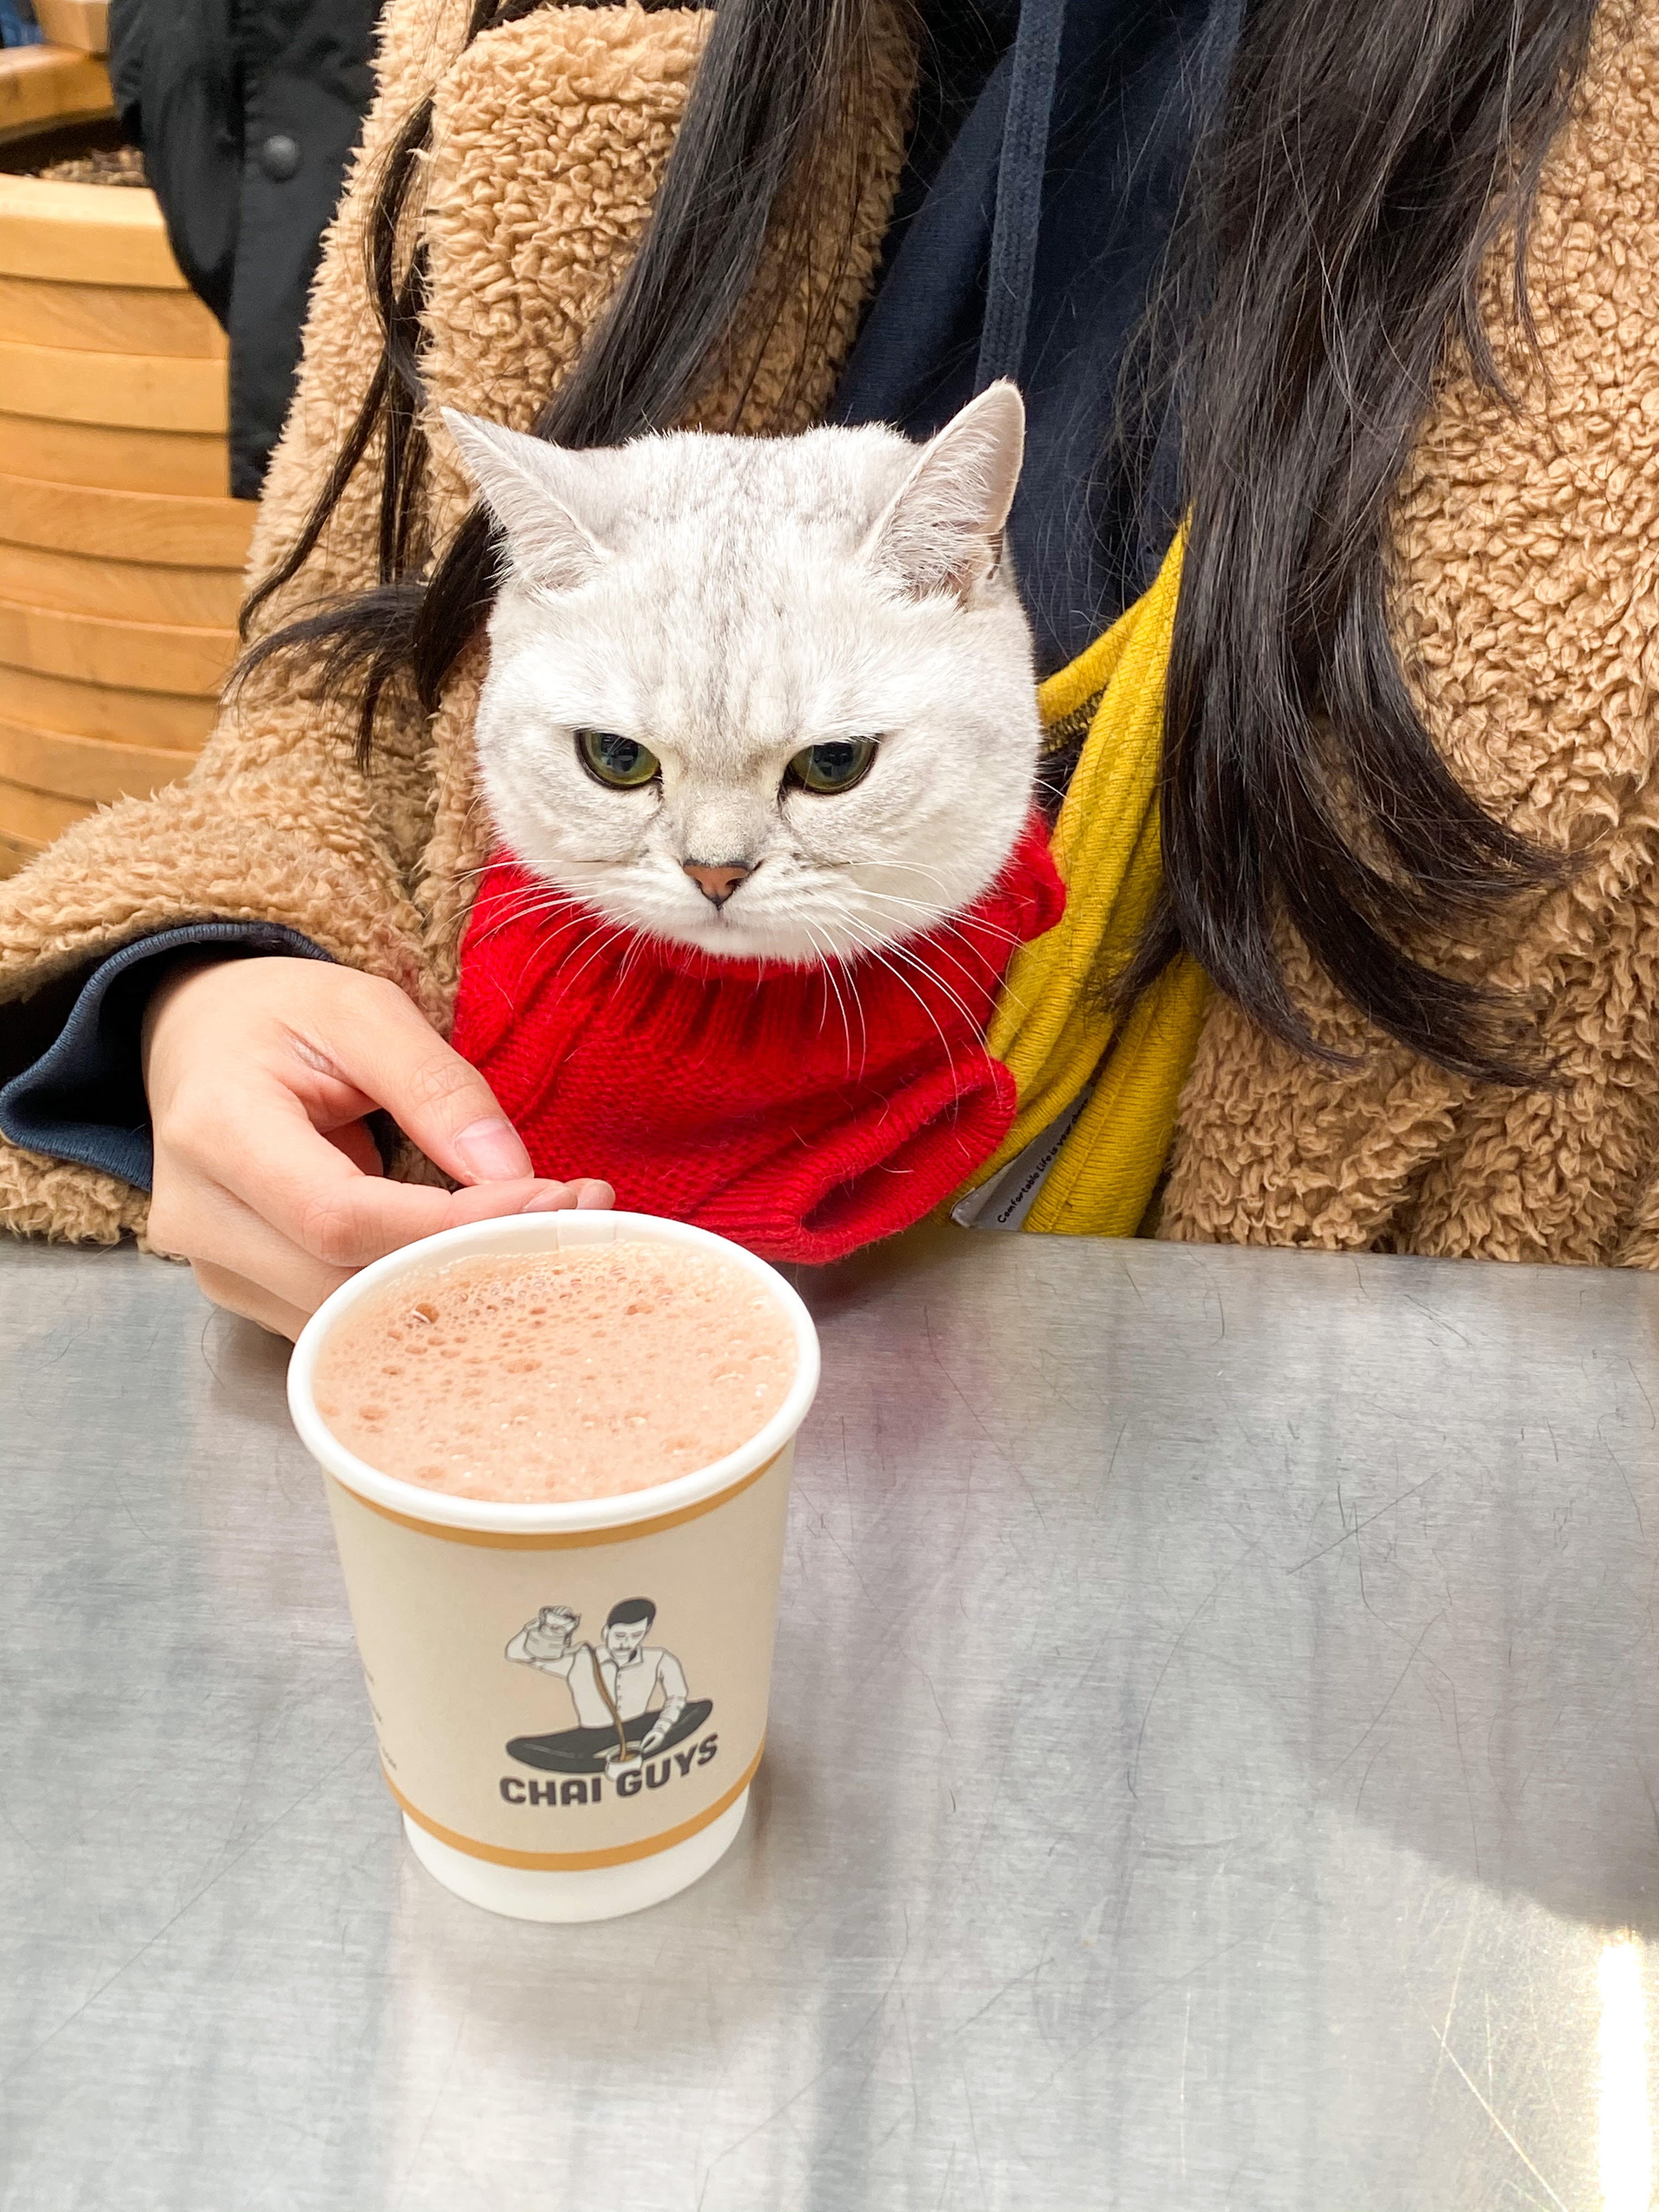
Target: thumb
[{"x": 394, "y": 1055}]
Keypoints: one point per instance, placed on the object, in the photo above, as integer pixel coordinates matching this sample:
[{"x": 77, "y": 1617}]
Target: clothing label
[
  {"x": 568, "y": 1701},
  {"x": 1006, "y": 1200}
]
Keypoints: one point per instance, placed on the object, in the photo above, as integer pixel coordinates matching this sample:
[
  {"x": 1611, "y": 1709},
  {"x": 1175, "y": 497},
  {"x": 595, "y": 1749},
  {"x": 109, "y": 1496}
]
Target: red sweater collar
[{"x": 801, "y": 1111}]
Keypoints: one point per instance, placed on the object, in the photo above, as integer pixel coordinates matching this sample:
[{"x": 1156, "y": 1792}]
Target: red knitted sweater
[{"x": 801, "y": 1111}]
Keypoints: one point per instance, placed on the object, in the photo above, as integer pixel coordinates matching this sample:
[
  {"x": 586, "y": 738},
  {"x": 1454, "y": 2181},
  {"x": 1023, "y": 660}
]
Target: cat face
[{"x": 767, "y": 699}]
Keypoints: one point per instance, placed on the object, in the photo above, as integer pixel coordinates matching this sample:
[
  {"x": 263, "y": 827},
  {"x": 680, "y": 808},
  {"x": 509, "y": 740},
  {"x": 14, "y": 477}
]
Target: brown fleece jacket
[
  {"x": 1526, "y": 601},
  {"x": 1525, "y": 561}
]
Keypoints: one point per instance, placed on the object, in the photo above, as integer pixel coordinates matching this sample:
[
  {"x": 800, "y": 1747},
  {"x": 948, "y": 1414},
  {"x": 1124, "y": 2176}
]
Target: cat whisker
[
  {"x": 980, "y": 973},
  {"x": 949, "y": 926},
  {"x": 604, "y": 937},
  {"x": 881, "y": 961},
  {"x": 902, "y": 952},
  {"x": 876, "y": 951},
  {"x": 887, "y": 956},
  {"x": 519, "y": 910},
  {"x": 944, "y": 923},
  {"x": 529, "y": 909},
  {"x": 637, "y": 941},
  {"x": 829, "y": 964},
  {"x": 929, "y": 875},
  {"x": 988, "y": 974},
  {"x": 983, "y": 974}
]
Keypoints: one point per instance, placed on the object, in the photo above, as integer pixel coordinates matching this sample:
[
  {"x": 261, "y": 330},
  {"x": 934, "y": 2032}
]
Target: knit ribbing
[{"x": 801, "y": 1111}]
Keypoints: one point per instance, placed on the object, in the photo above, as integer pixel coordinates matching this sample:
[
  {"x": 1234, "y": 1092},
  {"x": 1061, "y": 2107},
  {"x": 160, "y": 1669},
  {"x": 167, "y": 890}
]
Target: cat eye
[
  {"x": 622, "y": 762},
  {"x": 831, "y": 768}
]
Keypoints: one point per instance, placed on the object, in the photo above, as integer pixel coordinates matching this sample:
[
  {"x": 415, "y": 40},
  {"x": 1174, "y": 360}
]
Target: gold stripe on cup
[
  {"x": 579, "y": 1862},
  {"x": 560, "y": 1539}
]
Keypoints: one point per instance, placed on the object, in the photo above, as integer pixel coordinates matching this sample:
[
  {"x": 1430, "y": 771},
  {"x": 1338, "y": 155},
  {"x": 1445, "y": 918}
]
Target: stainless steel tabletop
[{"x": 1215, "y": 1762}]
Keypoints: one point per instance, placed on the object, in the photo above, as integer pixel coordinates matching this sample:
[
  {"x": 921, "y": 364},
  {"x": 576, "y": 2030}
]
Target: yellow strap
[{"x": 1049, "y": 1029}]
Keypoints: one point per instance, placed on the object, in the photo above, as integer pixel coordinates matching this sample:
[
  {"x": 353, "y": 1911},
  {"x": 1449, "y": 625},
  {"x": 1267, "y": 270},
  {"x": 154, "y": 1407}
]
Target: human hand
[{"x": 259, "y": 1074}]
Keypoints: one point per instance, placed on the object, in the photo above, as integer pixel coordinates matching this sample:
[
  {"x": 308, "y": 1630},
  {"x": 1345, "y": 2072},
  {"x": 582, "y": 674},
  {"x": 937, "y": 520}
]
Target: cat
[
  {"x": 758, "y": 740},
  {"x": 763, "y": 699}
]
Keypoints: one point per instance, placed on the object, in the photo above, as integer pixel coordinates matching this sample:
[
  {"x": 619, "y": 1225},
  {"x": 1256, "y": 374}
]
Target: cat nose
[{"x": 716, "y": 879}]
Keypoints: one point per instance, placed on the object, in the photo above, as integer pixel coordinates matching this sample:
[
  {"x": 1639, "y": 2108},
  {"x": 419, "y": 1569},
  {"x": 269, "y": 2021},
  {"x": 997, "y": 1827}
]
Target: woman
[{"x": 1404, "y": 826}]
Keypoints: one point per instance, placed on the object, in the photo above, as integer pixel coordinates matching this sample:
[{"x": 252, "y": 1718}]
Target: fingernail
[
  {"x": 491, "y": 1151},
  {"x": 554, "y": 1199}
]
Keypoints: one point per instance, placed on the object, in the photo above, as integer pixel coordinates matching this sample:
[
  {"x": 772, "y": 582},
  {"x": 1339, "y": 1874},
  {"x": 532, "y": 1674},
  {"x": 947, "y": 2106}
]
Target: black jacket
[{"x": 246, "y": 111}]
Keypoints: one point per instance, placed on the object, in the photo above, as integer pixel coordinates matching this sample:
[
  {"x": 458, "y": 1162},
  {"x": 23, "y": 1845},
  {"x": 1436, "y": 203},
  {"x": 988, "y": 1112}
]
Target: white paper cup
[{"x": 511, "y": 1796}]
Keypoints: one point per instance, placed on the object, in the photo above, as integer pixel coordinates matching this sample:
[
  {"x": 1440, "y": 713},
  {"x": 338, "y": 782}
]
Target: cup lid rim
[{"x": 543, "y": 1231}]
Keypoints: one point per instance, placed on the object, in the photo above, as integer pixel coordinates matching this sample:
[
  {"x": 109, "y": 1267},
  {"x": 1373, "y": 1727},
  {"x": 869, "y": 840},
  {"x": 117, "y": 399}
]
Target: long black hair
[
  {"x": 1366, "y": 159},
  {"x": 1362, "y": 160}
]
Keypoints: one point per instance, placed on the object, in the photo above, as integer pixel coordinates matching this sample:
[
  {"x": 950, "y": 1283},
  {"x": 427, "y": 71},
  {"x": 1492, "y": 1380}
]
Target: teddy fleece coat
[{"x": 1525, "y": 551}]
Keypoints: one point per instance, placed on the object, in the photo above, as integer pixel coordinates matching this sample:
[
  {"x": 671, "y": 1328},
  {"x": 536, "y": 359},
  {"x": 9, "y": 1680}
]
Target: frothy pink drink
[{"x": 564, "y": 1374}]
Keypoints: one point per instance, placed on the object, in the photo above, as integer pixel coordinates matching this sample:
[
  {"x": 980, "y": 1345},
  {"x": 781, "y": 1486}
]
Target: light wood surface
[
  {"x": 189, "y": 463},
  {"x": 169, "y": 720},
  {"x": 139, "y": 656},
  {"x": 43, "y": 85},
  {"x": 125, "y": 590},
  {"x": 141, "y": 391},
  {"x": 38, "y": 816},
  {"x": 107, "y": 319},
  {"x": 126, "y": 526},
  {"x": 121, "y": 555},
  {"x": 16, "y": 852},
  {"x": 92, "y": 768},
  {"x": 84, "y": 233},
  {"x": 81, "y": 24}
]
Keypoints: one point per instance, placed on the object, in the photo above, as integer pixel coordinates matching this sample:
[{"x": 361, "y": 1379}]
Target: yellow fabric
[{"x": 1049, "y": 1029}]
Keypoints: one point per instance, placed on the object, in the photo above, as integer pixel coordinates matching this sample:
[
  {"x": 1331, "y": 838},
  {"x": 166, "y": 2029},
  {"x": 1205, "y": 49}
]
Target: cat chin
[
  {"x": 723, "y": 937},
  {"x": 788, "y": 939},
  {"x": 785, "y": 939}
]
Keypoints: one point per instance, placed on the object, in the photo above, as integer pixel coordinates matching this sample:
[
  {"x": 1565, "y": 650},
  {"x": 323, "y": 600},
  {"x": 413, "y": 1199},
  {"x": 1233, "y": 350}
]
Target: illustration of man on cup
[{"x": 631, "y": 1699}]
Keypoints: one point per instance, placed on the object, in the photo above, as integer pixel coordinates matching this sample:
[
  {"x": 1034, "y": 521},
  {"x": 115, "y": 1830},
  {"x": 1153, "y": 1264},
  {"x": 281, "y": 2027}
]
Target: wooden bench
[
  {"x": 41, "y": 86},
  {"x": 121, "y": 553}
]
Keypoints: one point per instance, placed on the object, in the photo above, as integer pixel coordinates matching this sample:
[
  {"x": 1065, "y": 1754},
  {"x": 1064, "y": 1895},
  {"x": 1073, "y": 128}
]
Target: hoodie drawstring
[{"x": 1020, "y": 169}]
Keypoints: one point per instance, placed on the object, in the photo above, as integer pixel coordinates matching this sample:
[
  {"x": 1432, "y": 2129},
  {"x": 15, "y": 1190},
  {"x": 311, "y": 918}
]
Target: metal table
[{"x": 1215, "y": 1762}]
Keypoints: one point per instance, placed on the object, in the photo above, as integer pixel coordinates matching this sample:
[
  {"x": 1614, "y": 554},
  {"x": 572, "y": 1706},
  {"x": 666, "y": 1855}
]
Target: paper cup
[{"x": 481, "y": 1628}]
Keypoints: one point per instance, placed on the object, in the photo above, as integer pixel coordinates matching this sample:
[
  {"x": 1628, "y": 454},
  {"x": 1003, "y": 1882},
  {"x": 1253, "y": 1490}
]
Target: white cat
[{"x": 771, "y": 699}]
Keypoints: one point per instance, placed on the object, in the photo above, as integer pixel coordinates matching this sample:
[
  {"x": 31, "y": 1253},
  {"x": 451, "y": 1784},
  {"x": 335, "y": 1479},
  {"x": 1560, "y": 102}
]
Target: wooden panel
[
  {"x": 37, "y": 815},
  {"x": 91, "y": 768},
  {"x": 16, "y": 852},
  {"x": 168, "y": 461},
  {"x": 84, "y": 233},
  {"x": 107, "y": 319},
  {"x": 125, "y": 590},
  {"x": 139, "y": 656},
  {"x": 155, "y": 718},
  {"x": 49, "y": 84},
  {"x": 143, "y": 391},
  {"x": 193, "y": 533},
  {"x": 83, "y": 24}
]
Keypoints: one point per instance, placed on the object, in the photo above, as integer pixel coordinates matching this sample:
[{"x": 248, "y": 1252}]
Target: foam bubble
[{"x": 629, "y": 1364}]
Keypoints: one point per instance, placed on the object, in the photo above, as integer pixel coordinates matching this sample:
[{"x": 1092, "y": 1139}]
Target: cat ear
[
  {"x": 943, "y": 531},
  {"x": 527, "y": 485}
]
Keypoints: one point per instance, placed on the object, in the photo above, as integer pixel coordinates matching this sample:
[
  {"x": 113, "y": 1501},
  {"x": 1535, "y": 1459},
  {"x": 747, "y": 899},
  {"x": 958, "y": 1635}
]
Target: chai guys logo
[{"x": 634, "y": 1710}]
